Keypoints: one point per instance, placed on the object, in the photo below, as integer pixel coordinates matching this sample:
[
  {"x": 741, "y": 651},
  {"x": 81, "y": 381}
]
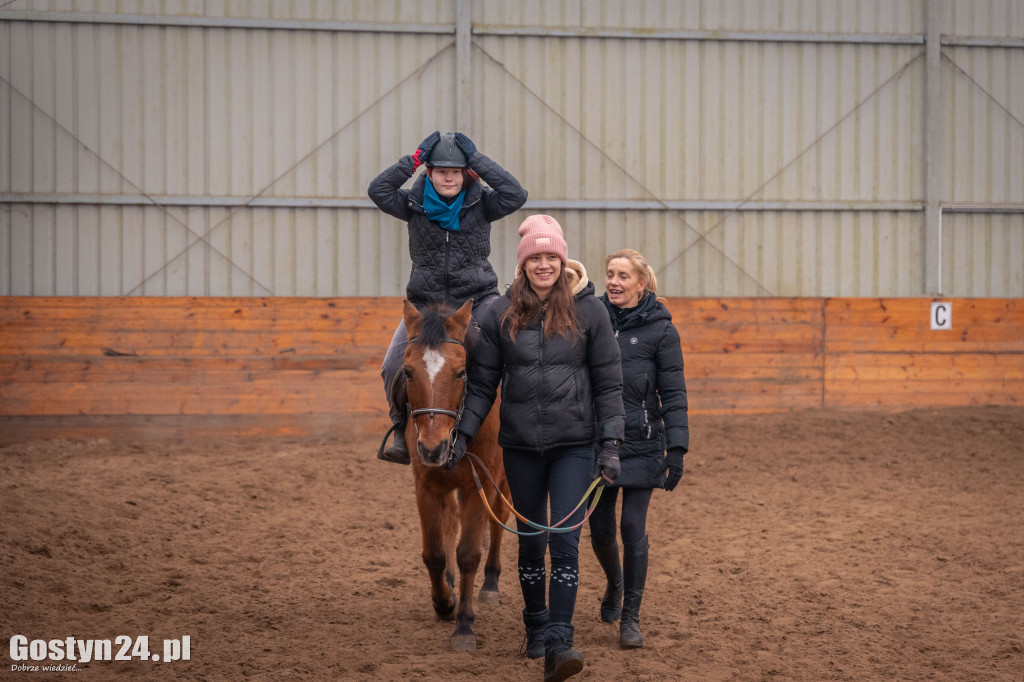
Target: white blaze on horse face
[{"x": 434, "y": 362}]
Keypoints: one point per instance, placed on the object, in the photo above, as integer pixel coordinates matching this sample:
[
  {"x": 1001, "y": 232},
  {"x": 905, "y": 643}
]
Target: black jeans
[
  {"x": 559, "y": 477},
  {"x": 635, "y": 502}
]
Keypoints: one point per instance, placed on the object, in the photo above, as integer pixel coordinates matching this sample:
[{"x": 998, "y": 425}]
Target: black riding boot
[
  {"x": 608, "y": 557},
  {"x": 398, "y": 399},
  {"x": 635, "y": 574},
  {"x": 561, "y": 661},
  {"x": 536, "y": 626}
]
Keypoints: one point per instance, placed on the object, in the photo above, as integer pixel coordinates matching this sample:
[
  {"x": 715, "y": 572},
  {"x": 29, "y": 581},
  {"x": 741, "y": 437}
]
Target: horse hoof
[
  {"x": 489, "y": 597},
  {"x": 463, "y": 642},
  {"x": 445, "y": 611}
]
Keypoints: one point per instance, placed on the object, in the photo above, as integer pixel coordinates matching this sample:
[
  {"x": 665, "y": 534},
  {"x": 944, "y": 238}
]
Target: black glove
[
  {"x": 457, "y": 453},
  {"x": 423, "y": 151},
  {"x": 675, "y": 467},
  {"x": 607, "y": 461},
  {"x": 465, "y": 144}
]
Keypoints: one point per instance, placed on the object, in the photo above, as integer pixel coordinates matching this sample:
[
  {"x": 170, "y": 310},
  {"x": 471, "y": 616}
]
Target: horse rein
[
  {"x": 474, "y": 461},
  {"x": 597, "y": 484}
]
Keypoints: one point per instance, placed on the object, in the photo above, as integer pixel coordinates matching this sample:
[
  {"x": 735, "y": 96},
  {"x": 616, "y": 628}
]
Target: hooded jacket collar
[
  {"x": 577, "y": 275},
  {"x": 647, "y": 310}
]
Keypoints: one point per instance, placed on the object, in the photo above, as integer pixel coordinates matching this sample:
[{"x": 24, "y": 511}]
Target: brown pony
[{"x": 448, "y": 501}]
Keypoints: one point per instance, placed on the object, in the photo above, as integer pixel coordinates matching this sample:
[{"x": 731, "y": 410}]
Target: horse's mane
[{"x": 433, "y": 332}]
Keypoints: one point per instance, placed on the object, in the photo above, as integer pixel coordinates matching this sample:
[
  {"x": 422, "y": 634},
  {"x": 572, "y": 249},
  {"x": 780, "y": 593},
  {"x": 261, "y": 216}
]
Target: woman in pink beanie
[{"x": 550, "y": 346}]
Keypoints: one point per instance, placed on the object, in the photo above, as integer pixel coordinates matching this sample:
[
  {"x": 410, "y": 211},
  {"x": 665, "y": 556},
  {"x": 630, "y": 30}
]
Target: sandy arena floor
[{"x": 800, "y": 546}]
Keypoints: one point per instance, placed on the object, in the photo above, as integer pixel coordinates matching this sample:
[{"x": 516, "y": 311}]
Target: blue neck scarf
[{"x": 445, "y": 215}]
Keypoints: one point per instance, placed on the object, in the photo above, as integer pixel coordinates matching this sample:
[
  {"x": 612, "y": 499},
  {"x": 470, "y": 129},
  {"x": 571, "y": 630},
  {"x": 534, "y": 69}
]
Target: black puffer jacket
[
  {"x": 554, "y": 393},
  {"x": 449, "y": 266},
  {"x": 653, "y": 391}
]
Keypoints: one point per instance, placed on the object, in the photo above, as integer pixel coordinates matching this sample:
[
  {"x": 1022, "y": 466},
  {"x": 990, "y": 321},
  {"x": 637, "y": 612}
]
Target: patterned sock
[
  {"x": 531, "y": 582},
  {"x": 565, "y": 579}
]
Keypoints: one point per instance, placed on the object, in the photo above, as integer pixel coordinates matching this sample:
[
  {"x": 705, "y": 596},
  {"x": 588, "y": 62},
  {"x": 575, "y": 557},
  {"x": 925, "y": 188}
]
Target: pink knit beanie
[{"x": 541, "y": 234}]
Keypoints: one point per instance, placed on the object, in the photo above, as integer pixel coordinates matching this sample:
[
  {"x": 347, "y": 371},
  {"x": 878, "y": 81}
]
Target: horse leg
[
  {"x": 434, "y": 510},
  {"x": 489, "y": 593},
  {"x": 468, "y": 556}
]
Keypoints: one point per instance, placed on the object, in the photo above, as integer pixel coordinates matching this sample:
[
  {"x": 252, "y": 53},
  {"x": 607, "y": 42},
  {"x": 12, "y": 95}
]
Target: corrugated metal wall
[{"x": 746, "y": 147}]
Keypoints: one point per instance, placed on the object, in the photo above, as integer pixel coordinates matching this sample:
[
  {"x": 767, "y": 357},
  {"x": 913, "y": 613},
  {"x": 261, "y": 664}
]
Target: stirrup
[{"x": 392, "y": 454}]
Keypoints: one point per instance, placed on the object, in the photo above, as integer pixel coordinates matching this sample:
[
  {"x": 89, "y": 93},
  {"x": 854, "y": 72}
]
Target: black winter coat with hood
[
  {"x": 653, "y": 391},
  {"x": 554, "y": 392},
  {"x": 450, "y": 266}
]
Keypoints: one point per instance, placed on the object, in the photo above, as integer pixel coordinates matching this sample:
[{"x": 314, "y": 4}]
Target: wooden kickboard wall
[{"x": 158, "y": 368}]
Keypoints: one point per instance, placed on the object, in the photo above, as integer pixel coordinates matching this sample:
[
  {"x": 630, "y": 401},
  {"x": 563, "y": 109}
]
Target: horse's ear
[
  {"x": 412, "y": 318},
  {"x": 459, "y": 320}
]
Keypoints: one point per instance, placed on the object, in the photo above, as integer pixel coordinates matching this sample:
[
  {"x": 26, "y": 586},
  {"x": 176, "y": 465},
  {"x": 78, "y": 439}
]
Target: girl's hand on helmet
[
  {"x": 465, "y": 144},
  {"x": 423, "y": 151}
]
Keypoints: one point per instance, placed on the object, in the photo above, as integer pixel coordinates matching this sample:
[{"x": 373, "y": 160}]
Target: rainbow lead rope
[{"x": 595, "y": 487}]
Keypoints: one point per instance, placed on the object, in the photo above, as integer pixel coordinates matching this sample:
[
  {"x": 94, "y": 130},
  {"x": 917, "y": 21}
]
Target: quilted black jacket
[
  {"x": 653, "y": 391},
  {"x": 554, "y": 392},
  {"x": 449, "y": 266}
]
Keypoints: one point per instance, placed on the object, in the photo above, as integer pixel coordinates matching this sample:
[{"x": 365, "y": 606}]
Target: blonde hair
[{"x": 640, "y": 266}]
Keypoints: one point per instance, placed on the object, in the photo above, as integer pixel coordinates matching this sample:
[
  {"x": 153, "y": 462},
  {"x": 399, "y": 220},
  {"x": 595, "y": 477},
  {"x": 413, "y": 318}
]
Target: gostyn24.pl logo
[{"x": 65, "y": 654}]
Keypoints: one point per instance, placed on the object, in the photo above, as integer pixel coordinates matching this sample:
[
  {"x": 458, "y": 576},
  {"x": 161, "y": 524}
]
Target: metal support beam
[
  {"x": 463, "y": 66},
  {"x": 114, "y": 18},
  {"x": 982, "y": 41},
  {"x": 160, "y": 200},
  {"x": 933, "y": 10},
  {"x": 221, "y": 22},
  {"x": 697, "y": 34}
]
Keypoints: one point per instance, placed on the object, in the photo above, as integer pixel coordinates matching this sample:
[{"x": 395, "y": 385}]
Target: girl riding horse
[{"x": 449, "y": 215}]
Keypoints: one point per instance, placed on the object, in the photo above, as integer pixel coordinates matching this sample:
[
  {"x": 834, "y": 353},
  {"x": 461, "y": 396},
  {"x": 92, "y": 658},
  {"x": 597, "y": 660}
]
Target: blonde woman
[{"x": 657, "y": 434}]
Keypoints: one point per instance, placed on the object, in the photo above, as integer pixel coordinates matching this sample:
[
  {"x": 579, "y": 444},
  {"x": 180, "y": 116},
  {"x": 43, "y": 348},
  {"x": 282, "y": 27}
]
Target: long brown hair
[{"x": 526, "y": 308}]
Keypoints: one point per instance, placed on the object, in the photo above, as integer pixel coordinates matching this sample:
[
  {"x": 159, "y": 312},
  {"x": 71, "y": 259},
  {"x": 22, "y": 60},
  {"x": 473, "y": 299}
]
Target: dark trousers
[
  {"x": 559, "y": 478},
  {"x": 635, "y": 502},
  {"x": 393, "y": 359}
]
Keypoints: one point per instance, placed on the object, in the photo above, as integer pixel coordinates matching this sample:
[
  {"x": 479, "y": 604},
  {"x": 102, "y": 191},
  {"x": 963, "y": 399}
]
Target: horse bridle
[{"x": 457, "y": 416}]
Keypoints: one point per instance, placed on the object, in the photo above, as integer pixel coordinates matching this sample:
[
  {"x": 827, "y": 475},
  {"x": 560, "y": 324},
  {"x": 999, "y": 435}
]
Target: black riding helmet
[{"x": 446, "y": 154}]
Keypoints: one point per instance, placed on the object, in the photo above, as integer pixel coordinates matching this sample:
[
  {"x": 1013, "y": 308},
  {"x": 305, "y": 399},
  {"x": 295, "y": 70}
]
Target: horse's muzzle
[{"x": 436, "y": 456}]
